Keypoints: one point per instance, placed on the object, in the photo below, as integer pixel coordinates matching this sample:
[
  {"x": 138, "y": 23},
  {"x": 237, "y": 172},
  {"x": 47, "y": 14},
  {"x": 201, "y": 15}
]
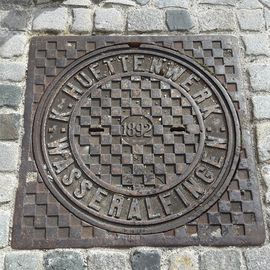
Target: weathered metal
[{"x": 139, "y": 142}]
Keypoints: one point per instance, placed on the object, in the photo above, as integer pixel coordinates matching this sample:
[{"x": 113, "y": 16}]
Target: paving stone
[
  {"x": 249, "y": 4},
  {"x": 222, "y": 260},
  {"x": 3, "y": 14},
  {"x": 2, "y": 259},
  {"x": 261, "y": 105},
  {"x": 16, "y": 20},
  {"x": 178, "y": 20},
  {"x": 14, "y": 46},
  {"x": 82, "y": 22},
  {"x": 82, "y": 3},
  {"x": 252, "y": 20},
  {"x": 99, "y": 260},
  {"x": 39, "y": 2},
  {"x": 10, "y": 95},
  {"x": 16, "y": 2},
  {"x": 257, "y": 44},
  {"x": 146, "y": 20},
  {"x": 10, "y": 71},
  {"x": 22, "y": 260},
  {"x": 10, "y": 126},
  {"x": 8, "y": 156},
  {"x": 267, "y": 18},
  {"x": 219, "y": 2},
  {"x": 266, "y": 178},
  {"x": 184, "y": 260},
  {"x": 7, "y": 184},
  {"x": 259, "y": 77},
  {"x": 4, "y": 228},
  {"x": 142, "y": 2},
  {"x": 145, "y": 260},
  {"x": 266, "y": 2},
  {"x": 63, "y": 260},
  {"x": 263, "y": 141},
  {"x": 171, "y": 3},
  {"x": 217, "y": 20},
  {"x": 258, "y": 258},
  {"x": 4, "y": 36},
  {"x": 51, "y": 20},
  {"x": 109, "y": 20},
  {"x": 120, "y": 2}
]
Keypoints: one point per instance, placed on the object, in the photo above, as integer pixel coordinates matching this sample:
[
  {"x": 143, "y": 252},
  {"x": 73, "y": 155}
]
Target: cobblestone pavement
[{"x": 249, "y": 20}]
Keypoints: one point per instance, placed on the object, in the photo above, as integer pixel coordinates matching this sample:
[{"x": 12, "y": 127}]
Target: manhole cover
[{"x": 135, "y": 139}]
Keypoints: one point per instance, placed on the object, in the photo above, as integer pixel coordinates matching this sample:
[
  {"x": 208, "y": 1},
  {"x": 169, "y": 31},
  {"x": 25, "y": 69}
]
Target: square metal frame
[{"x": 41, "y": 222}]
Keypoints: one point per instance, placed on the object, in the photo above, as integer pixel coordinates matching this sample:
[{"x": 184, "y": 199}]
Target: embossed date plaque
[{"x": 136, "y": 141}]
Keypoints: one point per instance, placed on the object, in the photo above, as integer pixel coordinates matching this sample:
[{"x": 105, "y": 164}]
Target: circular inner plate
[{"x": 136, "y": 140}]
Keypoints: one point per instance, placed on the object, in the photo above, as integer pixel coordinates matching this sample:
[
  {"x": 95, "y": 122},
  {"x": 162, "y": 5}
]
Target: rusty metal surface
[{"x": 136, "y": 144}]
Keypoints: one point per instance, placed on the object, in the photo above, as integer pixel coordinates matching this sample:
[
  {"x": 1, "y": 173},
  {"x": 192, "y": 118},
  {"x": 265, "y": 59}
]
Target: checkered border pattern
[
  {"x": 236, "y": 219},
  {"x": 111, "y": 158}
]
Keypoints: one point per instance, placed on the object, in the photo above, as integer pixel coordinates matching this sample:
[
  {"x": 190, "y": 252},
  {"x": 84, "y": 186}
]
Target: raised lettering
[
  {"x": 109, "y": 65},
  {"x": 116, "y": 206},
  {"x": 202, "y": 95},
  {"x": 99, "y": 195},
  {"x": 213, "y": 160},
  {"x": 84, "y": 79},
  {"x": 59, "y": 147},
  {"x": 96, "y": 71},
  {"x": 174, "y": 72},
  {"x": 149, "y": 208},
  {"x": 211, "y": 109},
  {"x": 138, "y": 60},
  {"x": 62, "y": 164},
  {"x": 156, "y": 65},
  {"x": 61, "y": 116},
  {"x": 204, "y": 174},
  {"x": 216, "y": 142},
  {"x": 80, "y": 192},
  {"x": 189, "y": 82},
  {"x": 134, "y": 210},
  {"x": 74, "y": 174},
  {"x": 192, "y": 186},
  {"x": 124, "y": 59},
  {"x": 166, "y": 202},
  {"x": 72, "y": 91},
  {"x": 182, "y": 196}
]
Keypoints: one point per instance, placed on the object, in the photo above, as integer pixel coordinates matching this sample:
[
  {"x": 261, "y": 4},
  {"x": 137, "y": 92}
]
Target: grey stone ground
[{"x": 249, "y": 20}]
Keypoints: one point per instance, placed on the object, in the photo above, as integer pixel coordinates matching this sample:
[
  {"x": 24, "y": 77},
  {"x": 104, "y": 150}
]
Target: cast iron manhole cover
[{"x": 135, "y": 139}]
